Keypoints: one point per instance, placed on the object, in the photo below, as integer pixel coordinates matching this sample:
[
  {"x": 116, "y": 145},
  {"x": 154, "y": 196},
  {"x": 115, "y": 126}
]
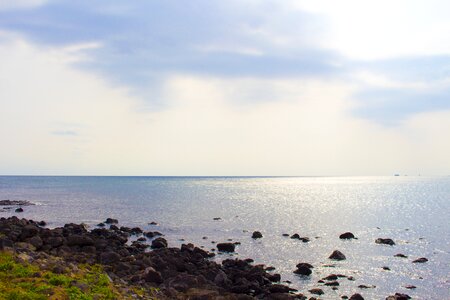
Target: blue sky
[{"x": 389, "y": 65}]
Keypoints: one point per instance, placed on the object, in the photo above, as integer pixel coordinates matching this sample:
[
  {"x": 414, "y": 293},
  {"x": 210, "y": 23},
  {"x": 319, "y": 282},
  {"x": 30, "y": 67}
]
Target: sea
[{"x": 413, "y": 211}]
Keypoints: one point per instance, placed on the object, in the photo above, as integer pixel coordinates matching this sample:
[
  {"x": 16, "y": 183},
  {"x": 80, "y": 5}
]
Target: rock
[
  {"x": 385, "y": 241},
  {"x": 226, "y": 247},
  {"x": 401, "y": 255},
  {"x": 337, "y": 255},
  {"x": 19, "y": 210},
  {"x": 15, "y": 203},
  {"x": 111, "y": 221},
  {"x": 29, "y": 231},
  {"x": 42, "y": 223},
  {"x": 347, "y": 236},
  {"x": 54, "y": 241},
  {"x": 295, "y": 236},
  {"x": 153, "y": 223},
  {"x": 410, "y": 287},
  {"x": 6, "y": 244},
  {"x": 159, "y": 243},
  {"x": 285, "y": 234},
  {"x": 79, "y": 240},
  {"x": 363, "y": 286},
  {"x": 398, "y": 296},
  {"x": 332, "y": 283},
  {"x": 316, "y": 291},
  {"x": 331, "y": 277},
  {"x": 109, "y": 257},
  {"x": 257, "y": 235},
  {"x": 420, "y": 260},
  {"x": 386, "y": 268},
  {"x": 36, "y": 241},
  {"x": 101, "y": 225},
  {"x": 303, "y": 269},
  {"x": 217, "y": 219},
  {"x": 356, "y": 297},
  {"x": 151, "y": 275}
]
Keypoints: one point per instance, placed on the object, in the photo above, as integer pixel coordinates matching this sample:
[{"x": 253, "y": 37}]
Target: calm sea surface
[{"x": 414, "y": 211}]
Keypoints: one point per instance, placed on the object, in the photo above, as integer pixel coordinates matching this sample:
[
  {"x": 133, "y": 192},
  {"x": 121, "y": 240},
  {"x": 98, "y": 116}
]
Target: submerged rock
[
  {"x": 398, "y": 296},
  {"x": 226, "y": 247},
  {"x": 401, "y": 255},
  {"x": 420, "y": 260},
  {"x": 19, "y": 210},
  {"x": 303, "y": 269},
  {"x": 111, "y": 221},
  {"x": 347, "y": 236},
  {"x": 337, "y": 255},
  {"x": 257, "y": 235},
  {"x": 386, "y": 241}
]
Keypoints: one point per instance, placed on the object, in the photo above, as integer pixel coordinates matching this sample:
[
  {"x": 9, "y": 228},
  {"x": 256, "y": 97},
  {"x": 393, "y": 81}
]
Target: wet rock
[
  {"x": 303, "y": 269},
  {"x": 347, "y": 236},
  {"x": 101, "y": 225},
  {"x": 111, "y": 221},
  {"x": 316, "y": 291},
  {"x": 386, "y": 268},
  {"x": 332, "y": 283},
  {"x": 385, "y": 241},
  {"x": 257, "y": 235},
  {"x": 410, "y": 287},
  {"x": 331, "y": 277},
  {"x": 42, "y": 223},
  {"x": 356, "y": 297},
  {"x": 159, "y": 243},
  {"x": 398, "y": 296},
  {"x": 295, "y": 236},
  {"x": 153, "y": 223},
  {"x": 19, "y": 210},
  {"x": 401, "y": 255},
  {"x": 420, "y": 260},
  {"x": 337, "y": 255},
  {"x": 363, "y": 286},
  {"x": 217, "y": 219},
  {"x": 285, "y": 234},
  {"x": 226, "y": 247}
]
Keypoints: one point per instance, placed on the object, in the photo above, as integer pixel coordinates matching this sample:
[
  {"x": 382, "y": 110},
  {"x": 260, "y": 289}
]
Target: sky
[{"x": 208, "y": 87}]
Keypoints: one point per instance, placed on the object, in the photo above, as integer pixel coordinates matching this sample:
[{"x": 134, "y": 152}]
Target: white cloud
[
  {"x": 55, "y": 119},
  {"x": 20, "y": 4},
  {"x": 384, "y": 29}
]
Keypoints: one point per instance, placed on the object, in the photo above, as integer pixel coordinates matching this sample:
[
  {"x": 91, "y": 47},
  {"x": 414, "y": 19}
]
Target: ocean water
[{"x": 413, "y": 211}]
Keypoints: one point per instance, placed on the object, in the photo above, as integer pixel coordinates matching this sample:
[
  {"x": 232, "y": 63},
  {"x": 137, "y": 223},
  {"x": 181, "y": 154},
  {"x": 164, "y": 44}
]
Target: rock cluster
[{"x": 179, "y": 273}]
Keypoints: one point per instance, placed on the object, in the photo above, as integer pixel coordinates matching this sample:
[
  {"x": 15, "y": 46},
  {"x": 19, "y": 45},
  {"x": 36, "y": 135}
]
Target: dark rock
[
  {"x": 356, "y": 297},
  {"x": 385, "y": 241},
  {"x": 111, "y": 221},
  {"x": 109, "y": 257},
  {"x": 151, "y": 275},
  {"x": 295, "y": 236},
  {"x": 217, "y": 219},
  {"x": 226, "y": 247},
  {"x": 347, "y": 236},
  {"x": 332, "y": 283},
  {"x": 304, "y": 239},
  {"x": 159, "y": 243},
  {"x": 285, "y": 234},
  {"x": 54, "y": 241},
  {"x": 363, "y": 286},
  {"x": 15, "y": 203},
  {"x": 279, "y": 288},
  {"x": 19, "y": 210},
  {"x": 6, "y": 244},
  {"x": 398, "y": 296},
  {"x": 331, "y": 277},
  {"x": 257, "y": 235},
  {"x": 420, "y": 260},
  {"x": 337, "y": 255},
  {"x": 101, "y": 225},
  {"x": 386, "y": 268},
  {"x": 36, "y": 241},
  {"x": 303, "y": 269},
  {"x": 29, "y": 231},
  {"x": 316, "y": 291},
  {"x": 42, "y": 223},
  {"x": 153, "y": 223},
  {"x": 79, "y": 240},
  {"x": 410, "y": 287},
  {"x": 401, "y": 255}
]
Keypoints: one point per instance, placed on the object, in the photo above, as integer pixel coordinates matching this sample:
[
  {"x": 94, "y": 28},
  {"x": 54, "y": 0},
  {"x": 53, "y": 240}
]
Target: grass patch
[{"x": 23, "y": 281}]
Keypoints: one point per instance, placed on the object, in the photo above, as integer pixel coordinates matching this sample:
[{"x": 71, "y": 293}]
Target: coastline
[{"x": 161, "y": 273}]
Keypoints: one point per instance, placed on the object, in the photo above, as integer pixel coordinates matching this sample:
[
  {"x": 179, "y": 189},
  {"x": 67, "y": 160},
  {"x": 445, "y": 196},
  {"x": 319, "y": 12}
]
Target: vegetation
[{"x": 20, "y": 280}]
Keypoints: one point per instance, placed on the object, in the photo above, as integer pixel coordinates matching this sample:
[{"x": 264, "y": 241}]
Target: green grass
[{"x": 23, "y": 281}]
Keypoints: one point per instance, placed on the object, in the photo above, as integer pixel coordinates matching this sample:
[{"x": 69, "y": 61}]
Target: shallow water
[{"x": 414, "y": 211}]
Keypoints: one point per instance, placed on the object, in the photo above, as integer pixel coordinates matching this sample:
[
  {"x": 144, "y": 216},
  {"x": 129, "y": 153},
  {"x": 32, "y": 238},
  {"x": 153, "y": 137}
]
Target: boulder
[
  {"x": 337, "y": 255},
  {"x": 356, "y": 297},
  {"x": 226, "y": 247},
  {"x": 19, "y": 210},
  {"x": 316, "y": 291},
  {"x": 303, "y": 269},
  {"x": 151, "y": 275},
  {"x": 398, "y": 296}
]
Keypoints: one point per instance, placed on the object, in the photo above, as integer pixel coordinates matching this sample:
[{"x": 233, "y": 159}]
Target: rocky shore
[{"x": 135, "y": 259}]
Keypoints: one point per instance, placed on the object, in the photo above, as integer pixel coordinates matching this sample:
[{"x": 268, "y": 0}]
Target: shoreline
[{"x": 170, "y": 273}]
